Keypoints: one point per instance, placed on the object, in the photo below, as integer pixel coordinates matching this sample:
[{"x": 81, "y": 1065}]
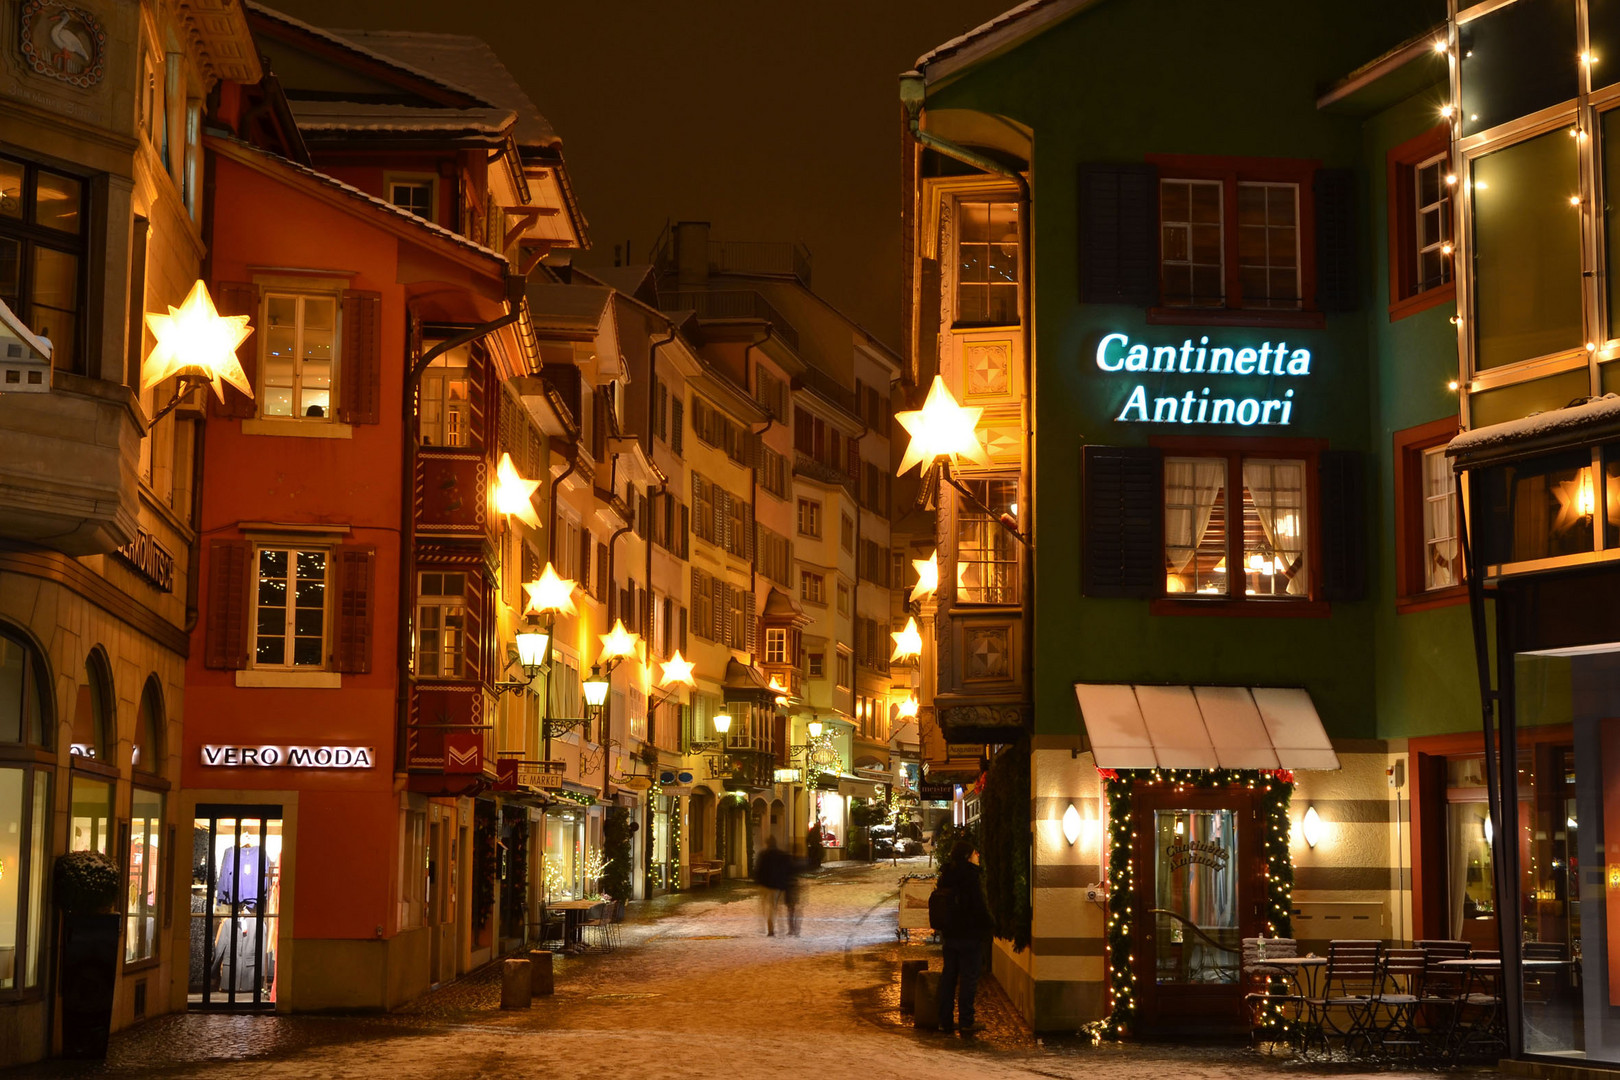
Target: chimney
[{"x": 692, "y": 253}]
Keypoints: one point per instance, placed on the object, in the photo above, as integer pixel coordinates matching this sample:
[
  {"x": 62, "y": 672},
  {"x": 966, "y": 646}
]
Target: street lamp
[
  {"x": 530, "y": 643},
  {"x": 942, "y": 431},
  {"x": 814, "y": 728},
  {"x": 596, "y": 690},
  {"x": 722, "y": 724},
  {"x": 197, "y": 345}
]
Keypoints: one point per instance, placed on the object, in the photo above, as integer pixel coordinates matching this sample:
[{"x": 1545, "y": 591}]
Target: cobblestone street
[{"x": 696, "y": 990}]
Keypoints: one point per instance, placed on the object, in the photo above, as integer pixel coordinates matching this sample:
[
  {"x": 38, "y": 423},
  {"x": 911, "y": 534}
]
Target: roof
[
  {"x": 1574, "y": 425},
  {"x": 13, "y": 323},
  {"x": 354, "y": 45},
  {"x": 466, "y": 61},
  {"x": 629, "y": 280},
  {"x": 246, "y": 152},
  {"x": 567, "y": 307},
  {"x": 351, "y": 116},
  {"x": 1006, "y": 29},
  {"x": 1203, "y": 727}
]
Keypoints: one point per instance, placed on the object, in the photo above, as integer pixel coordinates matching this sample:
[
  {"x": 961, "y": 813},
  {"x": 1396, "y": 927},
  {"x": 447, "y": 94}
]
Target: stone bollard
[
  {"x": 515, "y": 991},
  {"x": 925, "y": 1002},
  {"x": 908, "y": 982},
  {"x": 541, "y": 982}
]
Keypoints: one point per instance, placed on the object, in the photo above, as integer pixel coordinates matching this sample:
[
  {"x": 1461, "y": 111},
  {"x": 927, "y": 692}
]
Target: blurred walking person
[
  {"x": 773, "y": 870},
  {"x": 961, "y": 917}
]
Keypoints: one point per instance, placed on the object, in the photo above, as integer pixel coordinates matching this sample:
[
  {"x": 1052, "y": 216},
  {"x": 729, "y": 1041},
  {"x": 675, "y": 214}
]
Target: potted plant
[
  {"x": 617, "y": 832},
  {"x": 86, "y": 891}
]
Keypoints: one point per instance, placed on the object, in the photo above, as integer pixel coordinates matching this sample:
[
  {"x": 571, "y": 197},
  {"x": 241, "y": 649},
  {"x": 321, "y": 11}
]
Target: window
[
  {"x": 815, "y": 664},
  {"x": 987, "y": 555},
  {"x": 638, "y": 713},
  {"x": 812, "y": 587},
  {"x": 1431, "y": 195},
  {"x": 847, "y": 532},
  {"x": 24, "y": 694},
  {"x": 42, "y": 228},
  {"x": 1190, "y": 221},
  {"x": 844, "y": 666},
  {"x": 1269, "y": 540},
  {"x": 776, "y": 642},
  {"x": 441, "y": 626},
  {"x": 93, "y": 718},
  {"x": 141, "y": 876},
  {"x": 1442, "y": 556},
  {"x": 25, "y": 821},
  {"x": 90, "y": 814},
  {"x": 414, "y": 194},
  {"x": 843, "y": 599},
  {"x": 300, "y": 333},
  {"x": 773, "y": 472},
  {"x": 290, "y": 609},
  {"x": 444, "y": 414},
  {"x": 147, "y": 754},
  {"x": 565, "y": 686},
  {"x": 810, "y": 518},
  {"x": 987, "y": 263}
]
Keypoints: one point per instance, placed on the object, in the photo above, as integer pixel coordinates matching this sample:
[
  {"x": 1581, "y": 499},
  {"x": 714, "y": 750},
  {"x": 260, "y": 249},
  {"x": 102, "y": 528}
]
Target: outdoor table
[
  {"x": 1486, "y": 974},
  {"x": 1305, "y": 970},
  {"x": 573, "y": 912}
]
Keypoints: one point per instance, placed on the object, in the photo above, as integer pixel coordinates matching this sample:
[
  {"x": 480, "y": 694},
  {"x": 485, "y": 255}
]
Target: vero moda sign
[{"x": 289, "y": 757}]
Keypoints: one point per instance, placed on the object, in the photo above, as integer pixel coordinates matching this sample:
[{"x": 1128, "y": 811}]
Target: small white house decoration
[{"x": 25, "y": 357}]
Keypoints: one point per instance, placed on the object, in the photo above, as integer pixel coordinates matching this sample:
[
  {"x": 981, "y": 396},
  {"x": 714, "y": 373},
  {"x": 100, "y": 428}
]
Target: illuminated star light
[
  {"x": 927, "y": 576},
  {"x": 941, "y": 428},
  {"x": 619, "y": 643},
  {"x": 194, "y": 340},
  {"x": 907, "y": 643},
  {"x": 515, "y": 495},
  {"x": 678, "y": 670},
  {"x": 907, "y": 709},
  {"x": 551, "y": 594}
]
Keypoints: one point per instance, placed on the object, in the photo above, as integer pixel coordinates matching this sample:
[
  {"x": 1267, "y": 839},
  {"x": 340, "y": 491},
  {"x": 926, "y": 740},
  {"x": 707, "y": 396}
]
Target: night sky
[{"x": 773, "y": 119}]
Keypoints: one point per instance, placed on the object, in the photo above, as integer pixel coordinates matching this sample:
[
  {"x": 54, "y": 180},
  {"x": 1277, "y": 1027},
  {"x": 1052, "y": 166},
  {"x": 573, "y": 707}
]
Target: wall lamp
[
  {"x": 1310, "y": 827},
  {"x": 1071, "y": 824}
]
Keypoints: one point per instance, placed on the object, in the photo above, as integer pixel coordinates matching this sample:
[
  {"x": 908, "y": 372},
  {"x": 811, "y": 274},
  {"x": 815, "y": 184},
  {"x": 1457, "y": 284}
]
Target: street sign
[{"x": 545, "y": 775}]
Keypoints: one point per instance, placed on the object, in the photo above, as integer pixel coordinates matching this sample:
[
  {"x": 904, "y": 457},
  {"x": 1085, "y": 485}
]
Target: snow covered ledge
[{"x": 1582, "y": 424}]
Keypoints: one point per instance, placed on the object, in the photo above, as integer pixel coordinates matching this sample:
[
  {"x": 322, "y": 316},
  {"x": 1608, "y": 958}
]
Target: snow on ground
[{"x": 696, "y": 990}]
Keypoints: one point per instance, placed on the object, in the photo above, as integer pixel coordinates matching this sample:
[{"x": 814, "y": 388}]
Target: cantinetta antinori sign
[{"x": 1117, "y": 354}]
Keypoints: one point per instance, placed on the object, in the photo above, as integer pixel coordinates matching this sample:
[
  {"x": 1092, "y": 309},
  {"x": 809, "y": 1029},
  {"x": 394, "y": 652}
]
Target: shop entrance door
[
  {"x": 1197, "y": 897},
  {"x": 235, "y": 906}
]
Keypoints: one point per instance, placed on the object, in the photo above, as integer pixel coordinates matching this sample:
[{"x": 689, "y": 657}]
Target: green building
[{"x": 1194, "y": 263}]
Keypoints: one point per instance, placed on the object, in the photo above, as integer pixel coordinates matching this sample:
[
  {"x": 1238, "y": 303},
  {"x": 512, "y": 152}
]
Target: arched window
[
  {"x": 149, "y": 721},
  {"x": 24, "y": 693},
  {"x": 93, "y": 726}
]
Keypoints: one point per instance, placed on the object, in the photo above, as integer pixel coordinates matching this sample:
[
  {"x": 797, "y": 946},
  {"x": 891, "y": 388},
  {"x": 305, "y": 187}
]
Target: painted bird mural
[{"x": 68, "y": 44}]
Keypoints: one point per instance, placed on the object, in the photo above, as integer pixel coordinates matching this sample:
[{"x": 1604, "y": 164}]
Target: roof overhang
[
  {"x": 1202, "y": 727},
  {"x": 1570, "y": 428}
]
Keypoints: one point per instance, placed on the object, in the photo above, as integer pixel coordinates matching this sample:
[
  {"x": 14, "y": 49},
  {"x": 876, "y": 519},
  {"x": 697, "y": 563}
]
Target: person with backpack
[{"x": 961, "y": 917}]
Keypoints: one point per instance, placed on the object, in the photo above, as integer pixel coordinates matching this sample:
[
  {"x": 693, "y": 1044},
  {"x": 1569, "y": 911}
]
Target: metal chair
[
  {"x": 599, "y": 923},
  {"x": 1352, "y": 978},
  {"x": 1443, "y": 990},
  {"x": 1391, "y": 1027}
]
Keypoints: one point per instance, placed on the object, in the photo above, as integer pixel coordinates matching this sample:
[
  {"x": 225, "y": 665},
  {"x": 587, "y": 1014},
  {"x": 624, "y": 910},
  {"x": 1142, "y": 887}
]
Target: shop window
[
  {"x": 147, "y": 755},
  {"x": 25, "y": 866},
  {"x": 300, "y": 355},
  {"x": 441, "y": 625},
  {"x": 24, "y": 694},
  {"x": 812, "y": 587},
  {"x": 1421, "y": 190},
  {"x": 141, "y": 876},
  {"x": 1228, "y": 512},
  {"x": 444, "y": 414},
  {"x": 414, "y": 194},
  {"x": 987, "y": 557},
  {"x": 1527, "y": 251},
  {"x": 236, "y": 877},
  {"x": 987, "y": 262},
  {"x": 290, "y": 608},
  {"x": 563, "y": 869},
  {"x": 810, "y": 518},
  {"x": 776, "y": 641},
  {"x": 93, "y": 717},
  {"x": 42, "y": 254},
  {"x": 90, "y": 815},
  {"x": 1517, "y": 60}
]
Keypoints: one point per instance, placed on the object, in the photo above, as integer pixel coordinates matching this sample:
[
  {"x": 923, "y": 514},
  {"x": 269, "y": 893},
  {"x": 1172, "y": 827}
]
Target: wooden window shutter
[
  {"x": 1344, "y": 525},
  {"x": 360, "y": 365},
  {"x": 720, "y": 611},
  {"x": 230, "y": 603},
  {"x": 602, "y": 584},
  {"x": 351, "y": 650},
  {"x": 750, "y": 629},
  {"x": 681, "y": 630},
  {"x": 644, "y": 611},
  {"x": 685, "y": 534},
  {"x": 473, "y": 645},
  {"x": 1336, "y": 269},
  {"x": 1119, "y": 234},
  {"x": 585, "y": 542},
  {"x": 677, "y": 423},
  {"x": 660, "y": 403},
  {"x": 1122, "y": 535},
  {"x": 240, "y": 298}
]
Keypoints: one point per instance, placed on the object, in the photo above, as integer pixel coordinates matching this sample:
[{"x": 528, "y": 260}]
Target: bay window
[
  {"x": 987, "y": 554},
  {"x": 42, "y": 253},
  {"x": 441, "y": 623},
  {"x": 987, "y": 262},
  {"x": 444, "y": 411}
]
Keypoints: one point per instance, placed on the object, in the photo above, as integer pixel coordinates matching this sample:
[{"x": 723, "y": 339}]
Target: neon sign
[
  {"x": 296, "y": 757},
  {"x": 1117, "y": 354}
]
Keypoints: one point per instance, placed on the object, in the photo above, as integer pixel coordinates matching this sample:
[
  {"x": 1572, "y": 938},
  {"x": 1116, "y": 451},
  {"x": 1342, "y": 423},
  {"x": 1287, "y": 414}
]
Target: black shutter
[
  {"x": 1123, "y": 531},
  {"x": 1336, "y": 269},
  {"x": 1344, "y": 525},
  {"x": 1119, "y": 234}
]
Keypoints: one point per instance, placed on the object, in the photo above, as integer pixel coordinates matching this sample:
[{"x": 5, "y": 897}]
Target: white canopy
[{"x": 1203, "y": 727}]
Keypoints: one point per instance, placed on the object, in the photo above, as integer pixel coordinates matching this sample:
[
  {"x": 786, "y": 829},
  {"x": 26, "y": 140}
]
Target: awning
[{"x": 1203, "y": 727}]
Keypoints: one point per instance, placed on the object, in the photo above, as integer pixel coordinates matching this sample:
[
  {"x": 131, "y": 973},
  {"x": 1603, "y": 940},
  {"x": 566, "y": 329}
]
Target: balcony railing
[
  {"x": 730, "y": 304},
  {"x": 784, "y": 258}
]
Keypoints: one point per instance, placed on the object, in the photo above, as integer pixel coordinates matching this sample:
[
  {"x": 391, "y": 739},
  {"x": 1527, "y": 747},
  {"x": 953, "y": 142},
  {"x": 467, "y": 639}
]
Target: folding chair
[
  {"x": 1348, "y": 987},
  {"x": 1441, "y": 998},
  {"x": 599, "y": 921},
  {"x": 1391, "y": 1027}
]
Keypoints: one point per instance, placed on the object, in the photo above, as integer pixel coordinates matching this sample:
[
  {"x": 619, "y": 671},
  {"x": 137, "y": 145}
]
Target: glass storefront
[
  {"x": 25, "y": 799},
  {"x": 141, "y": 867},
  {"x": 92, "y": 813},
  {"x": 1196, "y": 918},
  {"x": 564, "y": 870},
  {"x": 235, "y": 906}
]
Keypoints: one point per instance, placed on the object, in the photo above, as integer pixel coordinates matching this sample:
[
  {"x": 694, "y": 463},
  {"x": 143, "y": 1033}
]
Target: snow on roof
[
  {"x": 354, "y": 46},
  {"x": 247, "y": 149},
  {"x": 1000, "y": 22},
  {"x": 350, "y": 116},
  {"x": 1553, "y": 424},
  {"x": 568, "y": 306},
  {"x": 13, "y": 322},
  {"x": 471, "y": 62}
]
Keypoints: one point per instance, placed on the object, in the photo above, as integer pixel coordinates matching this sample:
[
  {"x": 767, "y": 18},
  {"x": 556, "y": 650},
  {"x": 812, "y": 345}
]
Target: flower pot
[{"x": 88, "y": 972}]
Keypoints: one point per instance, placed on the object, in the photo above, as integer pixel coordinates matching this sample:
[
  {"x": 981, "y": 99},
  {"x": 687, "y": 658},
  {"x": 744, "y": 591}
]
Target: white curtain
[
  {"x": 1465, "y": 825},
  {"x": 1277, "y": 489},
  {"x": 1191, "y": 486}
]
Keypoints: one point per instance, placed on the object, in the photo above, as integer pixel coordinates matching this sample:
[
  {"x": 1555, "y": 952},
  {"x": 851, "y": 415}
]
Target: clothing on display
[{"x": 239, "y": 873}]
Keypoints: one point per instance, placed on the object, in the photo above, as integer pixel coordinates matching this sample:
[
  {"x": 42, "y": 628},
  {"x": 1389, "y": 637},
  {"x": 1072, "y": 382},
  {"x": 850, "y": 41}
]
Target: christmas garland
[{"x": 1275, "y": 788}]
